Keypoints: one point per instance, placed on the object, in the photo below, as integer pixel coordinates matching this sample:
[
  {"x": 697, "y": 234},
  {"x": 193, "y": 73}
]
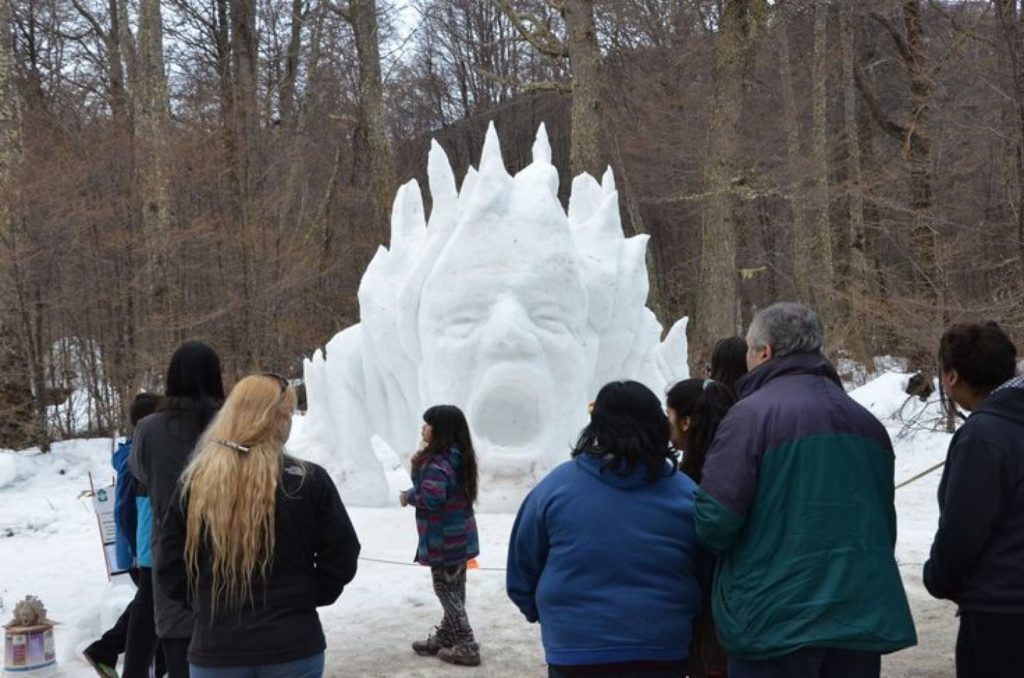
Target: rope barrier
[
  {"x": 408, "y": 564},
  {"x": 920, "y": 475},
  {"x": 385, "y": 561}
]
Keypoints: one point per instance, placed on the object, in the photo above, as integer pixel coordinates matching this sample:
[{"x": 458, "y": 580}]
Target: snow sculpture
[{"x": 502, "y": 304}]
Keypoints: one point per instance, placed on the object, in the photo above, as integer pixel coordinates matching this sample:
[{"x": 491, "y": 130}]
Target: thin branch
[
  {"x": 962, "y": 35},
  {"x": 888, "y": 125},
  {"x": 539, "y": 36},
  {"x": 897, "y": 37},
  {"x": 540, "y": 86},
  {"x": 87, "y": 15}
]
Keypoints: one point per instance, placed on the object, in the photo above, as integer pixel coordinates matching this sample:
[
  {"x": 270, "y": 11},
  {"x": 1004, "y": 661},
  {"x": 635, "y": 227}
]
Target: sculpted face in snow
[{"x": 505, "y": 306}]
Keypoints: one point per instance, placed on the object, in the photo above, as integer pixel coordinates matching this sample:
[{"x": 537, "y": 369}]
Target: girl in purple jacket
[{"x": 444, "y": 485}]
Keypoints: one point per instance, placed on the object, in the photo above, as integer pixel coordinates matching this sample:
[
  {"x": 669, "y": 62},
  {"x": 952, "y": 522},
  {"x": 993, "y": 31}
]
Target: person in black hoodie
[
  {"x": 254, "y": 542},
  {"x": 161, "y": 447},
  {"x": 977, "y": 559}
]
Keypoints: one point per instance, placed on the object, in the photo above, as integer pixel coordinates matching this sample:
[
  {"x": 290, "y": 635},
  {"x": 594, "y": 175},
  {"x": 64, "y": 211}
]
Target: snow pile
[
  {"x": 8, "y": 470},
  {"x": 503, "y": 304},
  {"x": 917, "y": 432}
]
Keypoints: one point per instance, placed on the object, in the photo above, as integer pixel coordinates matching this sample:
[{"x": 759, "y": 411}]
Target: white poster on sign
[{"x": 103, "y": 505}]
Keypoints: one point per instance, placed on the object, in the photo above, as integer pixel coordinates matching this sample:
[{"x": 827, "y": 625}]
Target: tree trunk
[
  {"x": 286, "y": 96},
  {"x": 587, "y": 87},
  {"x": 821, "y": 279},
  {"x": 312, "y": 71},
  {"x": 10, "y": 232},
  {"x": 798, "y": 199},
  {"x": 923, "y": 235},
  {"x": 717, "y": 303},
  {"x": 363, "y": 15},
  {"x": 244, "y": 97},
  {"x": 152, "y": 119},
  {"x": 118, "y": 91},
  {"x": 858, "y": 278},
  {"x": 245, "y": 127},
  {"x": 1012, "y": 33}
]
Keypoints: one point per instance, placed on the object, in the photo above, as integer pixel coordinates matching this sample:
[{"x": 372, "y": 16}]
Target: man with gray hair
[{"x": 797, "y": 499}]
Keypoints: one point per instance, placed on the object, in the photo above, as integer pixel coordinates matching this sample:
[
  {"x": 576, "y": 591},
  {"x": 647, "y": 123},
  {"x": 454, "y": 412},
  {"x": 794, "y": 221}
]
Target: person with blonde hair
[{"x": 255, "y": 541}]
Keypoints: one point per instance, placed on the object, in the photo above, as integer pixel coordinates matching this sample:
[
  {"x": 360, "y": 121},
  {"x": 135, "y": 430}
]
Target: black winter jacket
[
  {"x": 161, "y": 447},
  {"x": 977, "y": 559},
  {"x": 315, "y": 555}
]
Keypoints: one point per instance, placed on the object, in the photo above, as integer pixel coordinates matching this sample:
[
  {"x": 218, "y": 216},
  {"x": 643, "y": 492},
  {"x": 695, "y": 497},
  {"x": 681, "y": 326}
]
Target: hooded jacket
[
  {"x": 315, "y": 555},
  {"x": 977, "y": 559},
  {"x": 125, "y": 508},
  {"x": 608, "y": 563},
  {"x": 445, "y": 519},
  {"x": 797, "y": 498},
  {"x": 161, "y": 447}
]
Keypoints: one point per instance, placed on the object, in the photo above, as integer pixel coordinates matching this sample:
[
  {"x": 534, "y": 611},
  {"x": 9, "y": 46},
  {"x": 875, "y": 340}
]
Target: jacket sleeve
[
  {"x": 125, "y": 511},
  {"x": 729, "y": 479},
  {"x": 433, "y": 488},
  {"x": 171, "y": 574},
  {"x": 972, "y": 499},
  {"x": 527, "y": 555},
  {"x": 337, "y": 547}
]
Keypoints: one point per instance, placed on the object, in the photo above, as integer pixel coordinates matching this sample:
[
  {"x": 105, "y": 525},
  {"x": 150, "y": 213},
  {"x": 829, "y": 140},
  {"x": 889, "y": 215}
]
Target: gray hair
[{"x": 788, "y": 328}]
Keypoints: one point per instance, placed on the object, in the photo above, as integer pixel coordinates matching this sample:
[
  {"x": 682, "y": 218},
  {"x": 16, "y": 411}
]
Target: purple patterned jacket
[{"x": 444, "y": 519}]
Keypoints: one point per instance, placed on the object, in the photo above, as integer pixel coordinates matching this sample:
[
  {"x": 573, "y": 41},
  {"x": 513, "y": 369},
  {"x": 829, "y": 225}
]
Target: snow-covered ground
[{"x": 49, "y": 547}]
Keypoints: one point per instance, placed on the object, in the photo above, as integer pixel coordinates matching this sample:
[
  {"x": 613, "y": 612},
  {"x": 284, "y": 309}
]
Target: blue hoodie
[
  {"x": 609, "y": 564},
  {"x": 125, "y": 511}
]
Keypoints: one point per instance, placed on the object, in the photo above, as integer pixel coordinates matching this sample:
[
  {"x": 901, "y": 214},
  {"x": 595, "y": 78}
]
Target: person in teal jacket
[{"x": 797, "y": 498}]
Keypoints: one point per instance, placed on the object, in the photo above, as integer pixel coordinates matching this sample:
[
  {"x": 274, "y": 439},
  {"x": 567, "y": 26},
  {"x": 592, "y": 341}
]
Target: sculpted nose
[{"x": 510, "y": 332}]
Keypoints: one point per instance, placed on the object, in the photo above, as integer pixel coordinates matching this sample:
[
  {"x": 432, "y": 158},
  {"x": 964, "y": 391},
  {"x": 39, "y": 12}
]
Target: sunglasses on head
[{"x": 282, "y": 382}]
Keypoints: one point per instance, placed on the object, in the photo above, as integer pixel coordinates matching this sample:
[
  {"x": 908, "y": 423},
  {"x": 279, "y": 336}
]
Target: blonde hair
[{"x": 230, "y": 486}]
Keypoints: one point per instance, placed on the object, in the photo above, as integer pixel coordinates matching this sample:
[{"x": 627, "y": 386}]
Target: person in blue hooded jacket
[
  {"x": 977, "y": 559},
  {"x": 102, "y": 654},
  {"x": 603, "y": 552}
]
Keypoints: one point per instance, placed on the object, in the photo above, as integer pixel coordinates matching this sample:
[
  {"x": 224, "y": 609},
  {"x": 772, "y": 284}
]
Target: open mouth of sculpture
[{"x": 507, "y": 416}]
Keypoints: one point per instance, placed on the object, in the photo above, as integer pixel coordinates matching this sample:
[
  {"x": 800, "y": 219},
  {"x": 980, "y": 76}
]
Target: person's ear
[{"x": 685, "y": 423}]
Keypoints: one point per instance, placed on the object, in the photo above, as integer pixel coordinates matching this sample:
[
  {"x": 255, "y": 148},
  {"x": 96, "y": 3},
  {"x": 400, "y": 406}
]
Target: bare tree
[
  {"x": 362, "y": 14},
  {"x": 858, "y": 279},
  {"x": 717, "y": 306},
  {"x": 579, "y": 46},
  {"x": 821, "y": 267},
  {"x": 1009, "y": 18}
]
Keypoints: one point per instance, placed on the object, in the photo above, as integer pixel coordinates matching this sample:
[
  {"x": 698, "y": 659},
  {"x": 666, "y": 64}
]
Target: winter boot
[
  {"x": 437, "y": 640},
  {"x": 102, "y": 665},
  {"x": 463, "y": 654}
]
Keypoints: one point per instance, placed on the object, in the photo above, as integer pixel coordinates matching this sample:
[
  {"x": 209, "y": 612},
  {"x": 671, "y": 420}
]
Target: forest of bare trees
[{"x": 223, "y": 169}]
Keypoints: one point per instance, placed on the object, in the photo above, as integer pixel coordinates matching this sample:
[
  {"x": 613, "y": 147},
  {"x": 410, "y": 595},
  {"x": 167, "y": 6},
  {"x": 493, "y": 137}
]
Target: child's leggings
[{"x": 450, "y": 587}]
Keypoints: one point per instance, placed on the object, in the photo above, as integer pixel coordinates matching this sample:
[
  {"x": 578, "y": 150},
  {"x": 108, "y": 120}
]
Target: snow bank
[{"x": 8, "y": 470}]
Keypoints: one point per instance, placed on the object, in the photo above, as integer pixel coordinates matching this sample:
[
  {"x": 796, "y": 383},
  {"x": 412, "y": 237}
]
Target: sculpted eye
[
  {"x": 551, "y": 321},
  {"x": 460, "y": 326}
]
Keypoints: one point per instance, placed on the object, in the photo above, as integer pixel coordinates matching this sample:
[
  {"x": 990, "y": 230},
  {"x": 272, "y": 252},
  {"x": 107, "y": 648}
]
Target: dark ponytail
[{"x": 706, "y": 402}]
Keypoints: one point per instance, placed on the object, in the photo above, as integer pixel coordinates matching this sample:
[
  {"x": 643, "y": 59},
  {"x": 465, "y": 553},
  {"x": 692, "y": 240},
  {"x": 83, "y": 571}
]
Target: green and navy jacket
[
  {"x": 797, "y": 498},
  {"x": 444, "y": 517}
]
